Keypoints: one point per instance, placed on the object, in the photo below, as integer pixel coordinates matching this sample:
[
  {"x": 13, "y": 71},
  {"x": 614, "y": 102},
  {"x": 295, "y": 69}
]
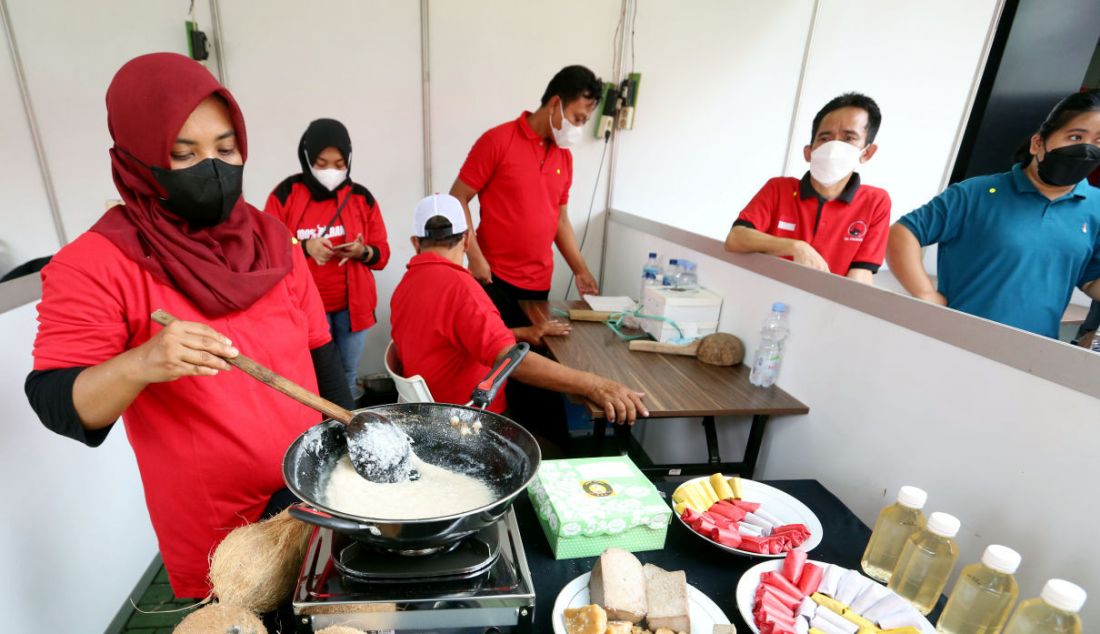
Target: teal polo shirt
[{"x": 1008, "y": 253}]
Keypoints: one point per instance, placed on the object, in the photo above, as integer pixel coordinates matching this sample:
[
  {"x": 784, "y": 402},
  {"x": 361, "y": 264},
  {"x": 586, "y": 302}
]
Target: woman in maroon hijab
[{"x": 209, "y": 441}]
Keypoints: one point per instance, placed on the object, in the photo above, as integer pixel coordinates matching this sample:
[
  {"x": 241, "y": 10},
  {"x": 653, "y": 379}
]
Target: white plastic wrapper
[
  {"x": 807, "y": 608},
  {"x": 902, "y": 618},
  {"x": 871, "y": 595},
  {"x": 886, "y": 606},
  {"x": 851, "y": 585},
  {"x": 749, "y": 529},
  {"x": 821, "y": 622},
  {"x": 830, "y": 580}
]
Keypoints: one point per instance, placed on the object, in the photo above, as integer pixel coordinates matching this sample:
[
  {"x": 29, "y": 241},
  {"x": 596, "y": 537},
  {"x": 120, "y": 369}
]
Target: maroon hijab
[{"x": 222, "y": 269}]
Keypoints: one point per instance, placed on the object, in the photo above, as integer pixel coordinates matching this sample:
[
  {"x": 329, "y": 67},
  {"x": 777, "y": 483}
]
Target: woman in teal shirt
[{"x": 1013, "y": 246}]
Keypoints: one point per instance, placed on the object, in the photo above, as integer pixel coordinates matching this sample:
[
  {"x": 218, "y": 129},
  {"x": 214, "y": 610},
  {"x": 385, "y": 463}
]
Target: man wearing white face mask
[
  {"x": 521, "y": 172},
  {"x": 340, "y": 228},
  {"x": 828, "y": 220}
]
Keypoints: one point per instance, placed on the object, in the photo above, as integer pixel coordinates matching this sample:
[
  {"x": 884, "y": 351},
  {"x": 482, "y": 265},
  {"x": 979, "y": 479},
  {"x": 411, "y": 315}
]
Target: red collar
[{"x": 427, "y": 258}]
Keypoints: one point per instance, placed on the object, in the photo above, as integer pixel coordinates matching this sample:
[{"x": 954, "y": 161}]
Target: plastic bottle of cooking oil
[
  {"x": 926, "y": 562},
  {"x": 895, "y": 524},
  {"x": 984, "y": 594},
  {"x": 1054, "y": 612}
]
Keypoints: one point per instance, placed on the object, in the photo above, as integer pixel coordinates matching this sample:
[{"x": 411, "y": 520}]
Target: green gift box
[{"x": 586, "y": 505}]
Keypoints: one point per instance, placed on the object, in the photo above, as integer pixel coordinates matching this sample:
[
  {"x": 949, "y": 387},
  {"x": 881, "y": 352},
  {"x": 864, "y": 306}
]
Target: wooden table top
[{"x": 675, "y": 385}]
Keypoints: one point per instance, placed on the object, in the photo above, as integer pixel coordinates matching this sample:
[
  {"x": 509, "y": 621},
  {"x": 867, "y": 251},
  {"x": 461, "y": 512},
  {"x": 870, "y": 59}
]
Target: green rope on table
[{"x": 615, "y": 322}]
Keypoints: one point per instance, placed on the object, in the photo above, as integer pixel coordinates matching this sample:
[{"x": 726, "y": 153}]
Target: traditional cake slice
[
  {"x": 588, "y": 619},
  {"x": 620, "y": 627},
  {"x": 619, "y": 585},
  {"x": 666, "y": 599}
]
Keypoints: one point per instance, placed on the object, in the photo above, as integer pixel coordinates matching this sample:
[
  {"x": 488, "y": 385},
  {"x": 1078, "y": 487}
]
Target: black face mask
[
  {"x": 202, "y": 194},
  {"x": 1069, "y": 164}
]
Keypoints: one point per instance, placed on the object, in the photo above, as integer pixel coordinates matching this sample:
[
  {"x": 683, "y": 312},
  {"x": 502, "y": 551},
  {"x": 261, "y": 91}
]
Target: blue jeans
[{"x": 349, "y": 344}]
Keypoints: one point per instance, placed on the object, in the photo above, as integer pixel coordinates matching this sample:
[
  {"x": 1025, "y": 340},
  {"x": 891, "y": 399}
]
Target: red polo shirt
[
  {"x": 446, "y": 329},
  {"x": 849, "y": 232},
  {"x": 209, "y": 448},
  {"x": 521, "y": 180}
]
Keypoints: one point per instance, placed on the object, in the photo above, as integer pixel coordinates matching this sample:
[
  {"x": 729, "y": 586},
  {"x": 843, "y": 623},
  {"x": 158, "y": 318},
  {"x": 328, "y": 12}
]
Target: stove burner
[
  {"x": 483, "y": 584},
  {"x": 466, "y": 559}
]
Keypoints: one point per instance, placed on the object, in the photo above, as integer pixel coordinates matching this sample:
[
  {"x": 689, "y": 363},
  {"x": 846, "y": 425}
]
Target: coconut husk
[
  {"x": 256, "y": 565},
  {"x": 720, "y": 349},
  {"x": 339, "y": 629},
  {"x": 218, "y": 618}
]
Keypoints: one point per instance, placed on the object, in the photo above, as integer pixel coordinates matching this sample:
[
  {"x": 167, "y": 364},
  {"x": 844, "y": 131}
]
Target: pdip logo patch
[{"x": 597, "y": 488}]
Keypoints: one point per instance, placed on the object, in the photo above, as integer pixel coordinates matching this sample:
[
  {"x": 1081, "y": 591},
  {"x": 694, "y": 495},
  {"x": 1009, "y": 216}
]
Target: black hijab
[{"x": 321, "y": 134}]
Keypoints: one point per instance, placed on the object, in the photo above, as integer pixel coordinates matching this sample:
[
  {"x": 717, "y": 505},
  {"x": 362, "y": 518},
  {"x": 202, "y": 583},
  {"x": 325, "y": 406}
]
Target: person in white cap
[{"x": 447, "y": 330}]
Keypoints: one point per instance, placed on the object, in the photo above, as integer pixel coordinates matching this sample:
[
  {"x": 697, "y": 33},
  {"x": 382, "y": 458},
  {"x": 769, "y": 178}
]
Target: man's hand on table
[
  {"x": 534, "y": 334},
  {"x": 620, "y": 403}
]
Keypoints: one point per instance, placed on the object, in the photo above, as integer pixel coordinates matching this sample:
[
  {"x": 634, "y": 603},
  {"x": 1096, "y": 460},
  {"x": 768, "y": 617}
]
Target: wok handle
[
  {"x": 487, "y": 389},
  {"x": 310, "y": 515},
  {"x": 277, "y": 381}
]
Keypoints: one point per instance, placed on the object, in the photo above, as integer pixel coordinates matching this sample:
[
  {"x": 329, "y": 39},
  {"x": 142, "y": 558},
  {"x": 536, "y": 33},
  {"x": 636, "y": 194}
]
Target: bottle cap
[
  {"x": 652, "y": 254},
  {"x": 673, "y": 262},
  {"x": 1001, "y": 558},
  {"x": 1064, "y": 595},
  {"x": 912, "y": 497},
  {"x": 943, "y": 524},
  {"x": 779, "y": 307}
]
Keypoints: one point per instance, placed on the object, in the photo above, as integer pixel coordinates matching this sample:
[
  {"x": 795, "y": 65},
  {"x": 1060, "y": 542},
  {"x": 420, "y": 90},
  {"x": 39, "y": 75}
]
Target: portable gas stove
[{"x": 481, "y": 585}]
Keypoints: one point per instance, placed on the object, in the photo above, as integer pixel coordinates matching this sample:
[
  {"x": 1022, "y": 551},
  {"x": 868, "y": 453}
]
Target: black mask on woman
[
  {"x": 1069, "y": 164},
  {"x": 202, "y": 194}
]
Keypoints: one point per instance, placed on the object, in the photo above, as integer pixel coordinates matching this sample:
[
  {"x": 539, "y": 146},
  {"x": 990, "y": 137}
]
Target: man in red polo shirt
[
  {"x": 446, "y": 330},
  {"x": 521, "y": 172},
  {"x": 828, "y": 220}
]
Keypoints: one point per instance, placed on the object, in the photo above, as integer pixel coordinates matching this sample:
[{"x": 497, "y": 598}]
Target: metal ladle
[{"x": 378, "y": 449}]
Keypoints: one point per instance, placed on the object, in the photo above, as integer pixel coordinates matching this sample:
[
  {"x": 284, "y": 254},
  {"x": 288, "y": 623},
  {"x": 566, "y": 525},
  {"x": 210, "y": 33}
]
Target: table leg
[
  {"x": 711, "y": 433},
  {"x": 752, "y": 448}
]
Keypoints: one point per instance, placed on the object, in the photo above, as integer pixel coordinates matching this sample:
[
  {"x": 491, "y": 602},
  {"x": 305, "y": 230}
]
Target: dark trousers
[{"x": 540, "y": 411}]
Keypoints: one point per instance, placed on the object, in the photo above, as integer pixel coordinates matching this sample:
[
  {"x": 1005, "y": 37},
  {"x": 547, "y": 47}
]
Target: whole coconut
[
  {"x": 219, "y": 618},
  {"x": 256, "y": 565}
]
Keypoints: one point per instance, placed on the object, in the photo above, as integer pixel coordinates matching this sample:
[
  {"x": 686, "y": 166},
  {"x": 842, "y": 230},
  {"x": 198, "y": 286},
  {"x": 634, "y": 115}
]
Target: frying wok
[{"x": 503, "y": 455}]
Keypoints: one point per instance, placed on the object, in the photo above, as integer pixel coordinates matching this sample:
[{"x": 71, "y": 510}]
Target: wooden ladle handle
[{"x": 267, "y": 376}]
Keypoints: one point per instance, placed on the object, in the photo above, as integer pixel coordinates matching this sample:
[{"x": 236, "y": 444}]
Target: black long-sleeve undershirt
[{"x": 50, "y": 393}]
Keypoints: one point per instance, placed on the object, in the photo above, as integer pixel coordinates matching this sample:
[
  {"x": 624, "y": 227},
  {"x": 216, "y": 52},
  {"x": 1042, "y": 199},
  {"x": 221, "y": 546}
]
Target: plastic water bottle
[
  {"x": 769, "y": 354},
  {"x": 670, "y": 273},
  {"x": 650, "y": 273},
  {"x": 984, "y": 594},
  {"x": 1054, "y": 612},
  {"x": 926, "y": 562},
  {"x": 687, "y": 279},
  {"x": 894, "y": 526}
]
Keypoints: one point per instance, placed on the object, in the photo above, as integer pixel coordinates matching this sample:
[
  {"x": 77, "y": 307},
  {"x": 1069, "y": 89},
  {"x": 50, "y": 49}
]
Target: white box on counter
[{"x": 695, "y": 311}]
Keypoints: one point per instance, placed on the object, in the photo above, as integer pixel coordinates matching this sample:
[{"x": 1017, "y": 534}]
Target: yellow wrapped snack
[
  {"x": 706, "y": 491},
  {"x": 735, "y": 486},
  {"x": 679, "y": 507},
  {"x": 909, "y": 629},
  {"x": 721, "y": 487},
  {"x": 863, "y": 623},
  {"x": 686, "y": 495},
  {"x": 814, "y": 630},
  {"x": 829, "y": 602}
]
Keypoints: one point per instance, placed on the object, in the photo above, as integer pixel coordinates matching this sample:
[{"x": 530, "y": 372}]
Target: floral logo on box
[{"x": 597, "y": 488}]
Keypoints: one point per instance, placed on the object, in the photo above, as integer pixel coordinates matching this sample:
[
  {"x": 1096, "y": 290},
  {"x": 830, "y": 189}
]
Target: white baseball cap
[{"x": 439, "y": 205}]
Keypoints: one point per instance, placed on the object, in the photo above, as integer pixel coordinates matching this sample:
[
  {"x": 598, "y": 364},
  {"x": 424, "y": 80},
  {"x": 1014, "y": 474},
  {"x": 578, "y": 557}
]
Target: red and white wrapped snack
[
  {"x": 754, "y": 544},
  {"x": 748, "y": 506},
  {"x": 704, "y": 524},
  {"x": 749, "y": 529},
  {"x": 728, "y": 537},
  {"x": 729, "y": 510},
  {"x": 763, "y": 514},
  {"x": 810, "y": 580},
  {"x": 792, "y": 566},
  {"x": 756, "y": 520},
  {"x": 777, "y": 580},
  {"x": 788, "y": 600}
]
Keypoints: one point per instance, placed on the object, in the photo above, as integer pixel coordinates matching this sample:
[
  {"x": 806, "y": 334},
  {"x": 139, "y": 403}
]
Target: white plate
[
  {"x": 704, "y": 613},
  {"x": 781, "y": 504},
  {"x": 746, "y": 592}
]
